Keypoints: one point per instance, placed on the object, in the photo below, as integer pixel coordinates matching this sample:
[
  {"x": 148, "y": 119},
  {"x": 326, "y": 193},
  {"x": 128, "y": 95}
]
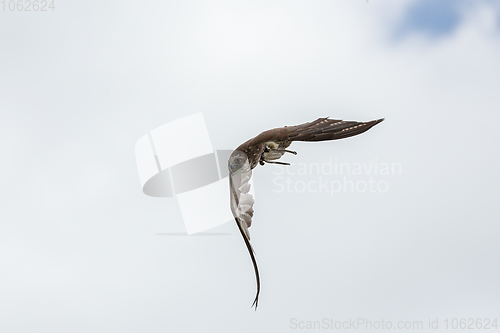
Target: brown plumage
[{"x": 267, "y": 147}]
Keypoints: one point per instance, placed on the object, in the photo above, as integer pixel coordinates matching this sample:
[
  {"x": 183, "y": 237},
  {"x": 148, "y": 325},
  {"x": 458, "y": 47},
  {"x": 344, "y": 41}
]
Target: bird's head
[{"x": 238, "y": 162}]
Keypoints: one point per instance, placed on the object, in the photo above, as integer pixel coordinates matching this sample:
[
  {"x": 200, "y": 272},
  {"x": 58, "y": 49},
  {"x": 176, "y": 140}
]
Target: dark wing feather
[{"x": 328, "y": 129}]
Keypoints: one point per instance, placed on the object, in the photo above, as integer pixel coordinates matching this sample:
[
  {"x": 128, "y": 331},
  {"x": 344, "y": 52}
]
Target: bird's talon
[{"x": 281, "y": 163}]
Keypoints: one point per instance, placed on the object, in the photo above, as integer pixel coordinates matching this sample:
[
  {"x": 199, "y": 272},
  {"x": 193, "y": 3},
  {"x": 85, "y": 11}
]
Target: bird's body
[{"x": 267, "y": 147}]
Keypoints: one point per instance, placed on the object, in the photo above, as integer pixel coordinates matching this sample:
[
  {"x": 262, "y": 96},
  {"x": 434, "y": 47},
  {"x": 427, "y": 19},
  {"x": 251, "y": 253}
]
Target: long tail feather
[{"x": 256, "y": 269}]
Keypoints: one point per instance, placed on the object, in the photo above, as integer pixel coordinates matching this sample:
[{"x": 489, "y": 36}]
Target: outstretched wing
[
  {"x": 242, "y": 202},
  {"x": 321, "y": 129},
  {"x": 328, "y": 129}
]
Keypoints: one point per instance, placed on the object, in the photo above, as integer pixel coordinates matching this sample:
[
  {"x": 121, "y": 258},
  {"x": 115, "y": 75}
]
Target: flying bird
[{"x": 267, "y": 147}]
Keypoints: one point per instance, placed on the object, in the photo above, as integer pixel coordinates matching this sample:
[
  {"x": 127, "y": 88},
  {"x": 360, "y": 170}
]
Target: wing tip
[{"x": 372, "y": 123}]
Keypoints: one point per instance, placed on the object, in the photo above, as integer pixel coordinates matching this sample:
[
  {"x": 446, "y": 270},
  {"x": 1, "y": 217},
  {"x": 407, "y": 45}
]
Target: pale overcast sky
[{"x": 82, "y": 249}]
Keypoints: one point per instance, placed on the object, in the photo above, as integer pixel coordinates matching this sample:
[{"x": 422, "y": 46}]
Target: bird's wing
[
  {"x": 242, "y": 208},
  {"x": 328, "y": 129},
  {"x": 242, "y": 200}
]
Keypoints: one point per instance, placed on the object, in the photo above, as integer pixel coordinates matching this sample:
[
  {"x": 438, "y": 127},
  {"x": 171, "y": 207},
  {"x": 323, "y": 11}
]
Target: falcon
[{"x": 267, "y": 147}]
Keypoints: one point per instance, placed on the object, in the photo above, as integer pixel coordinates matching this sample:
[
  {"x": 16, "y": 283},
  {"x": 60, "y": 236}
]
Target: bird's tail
[{"x": 254, "y": 262}]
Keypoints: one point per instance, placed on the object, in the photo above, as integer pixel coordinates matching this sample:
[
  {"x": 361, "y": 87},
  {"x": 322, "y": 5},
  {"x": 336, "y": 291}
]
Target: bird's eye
[{"x": 238, "y": 162}]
